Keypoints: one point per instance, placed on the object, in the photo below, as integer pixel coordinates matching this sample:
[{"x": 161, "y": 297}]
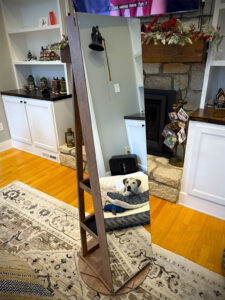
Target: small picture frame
[{"x": 43, "y": 22}]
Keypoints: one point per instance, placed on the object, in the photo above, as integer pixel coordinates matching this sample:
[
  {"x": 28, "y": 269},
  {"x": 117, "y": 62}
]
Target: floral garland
[
  {"x": 60, "y": 45},
  {"x": 173, "y": 31}
]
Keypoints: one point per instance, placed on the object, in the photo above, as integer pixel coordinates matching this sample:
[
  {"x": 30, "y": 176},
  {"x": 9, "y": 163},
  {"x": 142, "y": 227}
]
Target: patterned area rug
[
  {"x": 18, "y": 281},
  {"x": 45, "y": 232}
]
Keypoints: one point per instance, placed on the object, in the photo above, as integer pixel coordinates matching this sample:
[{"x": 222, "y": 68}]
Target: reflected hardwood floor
[{"x": 191, "y": 234}]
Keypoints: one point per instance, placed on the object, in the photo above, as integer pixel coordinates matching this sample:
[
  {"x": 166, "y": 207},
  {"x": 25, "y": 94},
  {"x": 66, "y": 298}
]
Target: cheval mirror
[{"x": 108, "y": 92}]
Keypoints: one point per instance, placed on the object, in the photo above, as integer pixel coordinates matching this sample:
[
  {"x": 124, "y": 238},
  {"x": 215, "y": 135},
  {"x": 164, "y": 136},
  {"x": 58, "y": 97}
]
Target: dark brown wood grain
[
  {"x": 209, "y": 115},
  {"x": 79, "y": 168},
  {"x": 82, "y": 108},
  {"x": 160, "y": 53},
  {"x": 34, "y": 95},
  {"x": 89, "y": 276},
  {"x": 65, "y": 55}
]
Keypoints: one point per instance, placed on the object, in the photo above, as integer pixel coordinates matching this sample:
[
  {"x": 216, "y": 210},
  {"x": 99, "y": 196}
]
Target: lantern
[{"x": 69, "y": 138}]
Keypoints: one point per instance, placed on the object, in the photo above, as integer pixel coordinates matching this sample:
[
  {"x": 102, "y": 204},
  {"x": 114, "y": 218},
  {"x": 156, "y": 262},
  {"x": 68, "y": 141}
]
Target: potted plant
[
  {"x": 172, "y": 41},
  {"x": 63, "y": 48}
]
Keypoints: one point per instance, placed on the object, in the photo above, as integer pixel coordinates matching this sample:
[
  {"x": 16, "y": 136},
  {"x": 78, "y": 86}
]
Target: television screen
[{"x": 134, "y": 8}]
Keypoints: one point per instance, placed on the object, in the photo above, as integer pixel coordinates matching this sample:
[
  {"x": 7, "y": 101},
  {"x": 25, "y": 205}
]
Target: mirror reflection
[{"x": 113, "y": 64}]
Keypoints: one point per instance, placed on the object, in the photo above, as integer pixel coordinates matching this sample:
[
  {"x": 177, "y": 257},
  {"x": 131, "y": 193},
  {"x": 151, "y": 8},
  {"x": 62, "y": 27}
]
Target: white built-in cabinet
[
  {"x": 137, "y": 140},
  {"x": 38, "y": 126},
  {"x": 15, "y": 109},
  {"x": 203, "y": 185},
  {"x": 42, "y": 124},
  {"x": 21, "y": 18}
]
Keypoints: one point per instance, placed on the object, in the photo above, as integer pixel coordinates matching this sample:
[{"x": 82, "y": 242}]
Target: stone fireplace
[
  {"x": 161, "y": 78},
  {"x": 158, "y": 103},
  {"x": 171, "y": 76}
]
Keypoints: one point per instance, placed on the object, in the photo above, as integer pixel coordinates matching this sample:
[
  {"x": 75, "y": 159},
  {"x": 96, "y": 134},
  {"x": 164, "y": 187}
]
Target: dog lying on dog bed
[{"x": 135, "y": 206}]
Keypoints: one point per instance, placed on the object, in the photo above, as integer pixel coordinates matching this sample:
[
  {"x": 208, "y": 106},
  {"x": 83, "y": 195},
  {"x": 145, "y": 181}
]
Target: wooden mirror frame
[{"x": 94, "y": 262}]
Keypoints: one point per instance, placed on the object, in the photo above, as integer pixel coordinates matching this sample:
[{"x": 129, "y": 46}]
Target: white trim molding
[
  {"x": 202, "y": 205},
  {"x": 5, "y": 145}
]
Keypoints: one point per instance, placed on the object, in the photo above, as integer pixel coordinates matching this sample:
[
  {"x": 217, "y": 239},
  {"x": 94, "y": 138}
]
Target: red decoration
[{"x": 52, "y": 18}]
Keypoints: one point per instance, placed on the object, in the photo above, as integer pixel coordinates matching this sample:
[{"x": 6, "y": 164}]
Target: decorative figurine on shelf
[
  {"x": 30, "y": 56},
  {"x": 43, "y": 53},
  {"x": 63, "y": 86},
  {"x": 176, "y": 131},
  {"x": 220, "y": 99},
  {"x": 69, "y": 138},
  {"x": 55, "y": 85},
  {"x": 46, "y": 93},
  {"x": 43, "y": 83},
  {"x": 52, "y": 55},
  {"x": 44, "y": 88},
  {"x": 31, "y": 83},
  {"x": 62, "y": 47},
  {"x": 46, "y": 54}
]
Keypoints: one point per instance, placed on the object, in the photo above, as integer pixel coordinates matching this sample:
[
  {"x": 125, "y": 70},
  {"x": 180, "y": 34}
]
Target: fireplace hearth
[{"x": 158, "y": 103}]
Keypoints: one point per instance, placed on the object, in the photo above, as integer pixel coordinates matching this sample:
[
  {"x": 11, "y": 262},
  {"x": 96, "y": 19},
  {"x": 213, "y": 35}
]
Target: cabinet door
[
  {"x": 205, "y": 163},
  {"x": 137, "y": 141},
  {"x": 42, "y": 124},
  {"x": 17, "y": 119}
]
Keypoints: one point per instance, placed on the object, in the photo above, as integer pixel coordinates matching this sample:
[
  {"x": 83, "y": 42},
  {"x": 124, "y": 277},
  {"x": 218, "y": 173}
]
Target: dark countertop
[
  {"x": 138, "y": 116},
  {"x": 34, "y": 95},
  {"x": 209, "y": 115}
]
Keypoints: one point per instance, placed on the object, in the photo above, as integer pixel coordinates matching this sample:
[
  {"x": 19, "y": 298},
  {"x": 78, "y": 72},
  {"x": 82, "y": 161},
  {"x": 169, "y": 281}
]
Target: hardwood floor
[
  {"x": 194, "y": 235},
  {"x": 191, "y": 234}
]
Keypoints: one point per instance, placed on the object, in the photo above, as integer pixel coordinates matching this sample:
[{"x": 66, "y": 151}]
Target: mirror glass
[{"x": 112, "y": 55}]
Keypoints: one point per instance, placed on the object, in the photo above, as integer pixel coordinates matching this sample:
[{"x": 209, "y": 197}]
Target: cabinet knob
[
  {"x": 143, "y": 125},
  {"x": 25, "y": 102},
  {"x": 21, "y": 101}
]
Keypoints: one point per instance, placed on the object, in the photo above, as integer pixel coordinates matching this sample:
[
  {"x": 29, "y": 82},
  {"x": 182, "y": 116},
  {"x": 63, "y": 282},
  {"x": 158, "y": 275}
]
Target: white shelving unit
[
  {"x": 32, "y": 29},
  {"x": 135, "y": 34},
  {"x": 21, "y": 19},
  {"x": 39, "y": 63},
  {"x": 215, "y": 65}
]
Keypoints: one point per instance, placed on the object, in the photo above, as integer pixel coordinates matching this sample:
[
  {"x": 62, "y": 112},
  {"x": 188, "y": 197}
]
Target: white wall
[
  {"x": 7, "y": 80},
  {"x": 110, "y": 108}
]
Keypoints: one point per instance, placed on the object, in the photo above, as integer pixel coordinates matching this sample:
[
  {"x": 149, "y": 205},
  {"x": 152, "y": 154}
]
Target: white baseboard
[
  {"x": 5, "y": 145},
  {"x": 36, "y": 151},
  {"x": 202, "y": 205}
]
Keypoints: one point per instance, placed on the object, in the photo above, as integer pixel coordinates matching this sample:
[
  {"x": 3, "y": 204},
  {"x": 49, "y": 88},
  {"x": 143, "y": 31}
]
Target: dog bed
[
  {"x": 112, "y": 187},
  {"x": 129, "y": 202}
]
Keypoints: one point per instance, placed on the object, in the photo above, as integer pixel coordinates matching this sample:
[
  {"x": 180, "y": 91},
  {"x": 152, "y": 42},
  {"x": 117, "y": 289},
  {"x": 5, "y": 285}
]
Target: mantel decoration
[
  {"x": 173, "y": 41},
  {"x": 63, "y": 48}
]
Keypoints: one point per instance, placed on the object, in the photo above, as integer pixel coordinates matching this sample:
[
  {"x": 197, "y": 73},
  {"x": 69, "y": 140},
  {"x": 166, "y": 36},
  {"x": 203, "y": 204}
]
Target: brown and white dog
[{"x": 131, "y": 186}]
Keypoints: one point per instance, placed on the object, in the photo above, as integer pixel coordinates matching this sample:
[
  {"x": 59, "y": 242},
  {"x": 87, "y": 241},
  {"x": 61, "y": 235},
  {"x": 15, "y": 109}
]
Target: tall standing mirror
[
  {"x": 115, "y": 85},
  {"x": 112, "y": 59},
  {"x": 108, "y": 80}
]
